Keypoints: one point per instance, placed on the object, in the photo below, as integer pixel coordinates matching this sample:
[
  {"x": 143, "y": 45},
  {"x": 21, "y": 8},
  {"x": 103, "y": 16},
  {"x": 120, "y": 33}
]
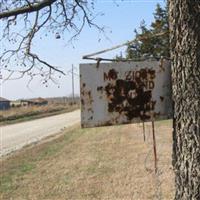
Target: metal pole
[
  {"x": 144, "y": 131},
  {"x": 72, "y": 83},
  {"x": 154, "y": 146}
]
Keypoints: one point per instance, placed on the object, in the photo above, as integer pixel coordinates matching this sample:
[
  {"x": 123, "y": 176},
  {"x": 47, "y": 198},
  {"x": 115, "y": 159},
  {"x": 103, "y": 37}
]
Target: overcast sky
[{"x": 121, "y": 21}]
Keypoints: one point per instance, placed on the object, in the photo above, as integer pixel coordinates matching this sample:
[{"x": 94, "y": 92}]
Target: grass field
[
  {"x": 99, "y": 163},
  {"x": 15, "y": 115}
]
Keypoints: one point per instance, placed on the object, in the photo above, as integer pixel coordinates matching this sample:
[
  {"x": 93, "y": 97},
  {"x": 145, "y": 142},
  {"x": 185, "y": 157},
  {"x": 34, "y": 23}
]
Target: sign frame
[{"x": 97, "y": 97}]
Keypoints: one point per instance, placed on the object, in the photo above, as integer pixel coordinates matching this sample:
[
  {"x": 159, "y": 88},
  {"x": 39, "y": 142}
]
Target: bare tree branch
[
  {"x": 30, "y": 7},
  {"x": 24, "y": 22}
]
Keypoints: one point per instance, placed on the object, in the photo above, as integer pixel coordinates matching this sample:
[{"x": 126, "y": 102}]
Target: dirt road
[{"x": 14, "y": 137}]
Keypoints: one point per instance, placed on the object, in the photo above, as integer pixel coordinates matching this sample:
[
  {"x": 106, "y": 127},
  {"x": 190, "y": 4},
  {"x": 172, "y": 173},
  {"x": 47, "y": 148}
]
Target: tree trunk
[{"x": 184, "y": 19}]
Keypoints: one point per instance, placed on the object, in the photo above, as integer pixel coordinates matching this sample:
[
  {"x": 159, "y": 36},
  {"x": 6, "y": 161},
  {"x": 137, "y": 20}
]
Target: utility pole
[{"x": 72, "y": 83}]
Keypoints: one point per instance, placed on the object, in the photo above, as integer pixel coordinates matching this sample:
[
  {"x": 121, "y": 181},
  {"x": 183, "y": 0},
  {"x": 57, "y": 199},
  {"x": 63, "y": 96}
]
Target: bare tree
[{"x": 22, "y": 21}]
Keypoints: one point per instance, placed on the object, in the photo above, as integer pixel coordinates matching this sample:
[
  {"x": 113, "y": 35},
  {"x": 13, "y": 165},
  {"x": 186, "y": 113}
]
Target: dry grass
[
  {"x": 104, "y": 163},
  {"x": 20, "y": 114}
]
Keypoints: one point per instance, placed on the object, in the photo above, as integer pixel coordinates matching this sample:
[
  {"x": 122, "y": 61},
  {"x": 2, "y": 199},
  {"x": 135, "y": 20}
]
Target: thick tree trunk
[{"x": 184, "y": 19}]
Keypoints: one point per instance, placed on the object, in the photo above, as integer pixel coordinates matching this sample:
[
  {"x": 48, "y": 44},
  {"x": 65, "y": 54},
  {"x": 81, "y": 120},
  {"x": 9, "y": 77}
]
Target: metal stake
[
  {"x": 154, "y": 146},
  {"x": 144, "y": 131}
]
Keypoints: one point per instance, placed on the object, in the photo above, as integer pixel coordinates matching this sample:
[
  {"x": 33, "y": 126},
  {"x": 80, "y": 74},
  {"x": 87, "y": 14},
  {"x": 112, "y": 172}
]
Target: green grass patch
[
  {"x": 25, "y": 168},
  {"x": 6, "y": 183},
  {"x": 7, "y": 180},
  {"x": 49, "y": 151}
]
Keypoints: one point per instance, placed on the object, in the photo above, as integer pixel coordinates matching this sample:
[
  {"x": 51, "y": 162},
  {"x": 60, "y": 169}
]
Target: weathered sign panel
[{"x": 120, "y": 93}]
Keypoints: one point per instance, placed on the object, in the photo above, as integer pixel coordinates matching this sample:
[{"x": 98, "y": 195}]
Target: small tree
[{"x": 148, "y": 45}]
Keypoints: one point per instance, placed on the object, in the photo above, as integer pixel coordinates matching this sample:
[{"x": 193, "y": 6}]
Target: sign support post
[
  {"x": 154, "y": 146},
  {"x": 144, "y": 136}
]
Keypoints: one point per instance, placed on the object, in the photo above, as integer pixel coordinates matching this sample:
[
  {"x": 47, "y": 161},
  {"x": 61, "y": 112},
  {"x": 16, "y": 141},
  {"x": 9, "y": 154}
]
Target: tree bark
[{"x": 184, "y": 19}]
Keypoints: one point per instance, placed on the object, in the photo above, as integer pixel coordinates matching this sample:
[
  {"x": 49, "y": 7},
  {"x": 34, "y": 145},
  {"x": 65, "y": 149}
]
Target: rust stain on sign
[
  {"x": 117, "y": 93},
  {"x": 131, "y": 96}
]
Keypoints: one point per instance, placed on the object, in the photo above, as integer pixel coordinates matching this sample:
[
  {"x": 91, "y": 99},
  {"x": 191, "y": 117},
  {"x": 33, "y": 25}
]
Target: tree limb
[
  {"x": 27, "y": 9},
  {"x": 38, "y": 19}
]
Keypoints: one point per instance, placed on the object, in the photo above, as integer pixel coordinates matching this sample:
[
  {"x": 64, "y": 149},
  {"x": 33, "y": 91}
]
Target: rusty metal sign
[{"x": 125, "y": 92}]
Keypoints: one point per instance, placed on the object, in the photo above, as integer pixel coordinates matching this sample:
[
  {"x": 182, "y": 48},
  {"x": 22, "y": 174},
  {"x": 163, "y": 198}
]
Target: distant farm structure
[
  {"x": 36, "y": 102},
  {"x": 4, "y": 104},
  {"x": 45, "y": 101},
  {"x": 29, "y": 102}
]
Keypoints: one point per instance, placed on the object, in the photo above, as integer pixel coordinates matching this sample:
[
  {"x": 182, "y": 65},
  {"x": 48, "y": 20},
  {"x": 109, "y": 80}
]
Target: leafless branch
[
  {"x": 23, "y": 21},
  {"x": 30, "y": 7}
]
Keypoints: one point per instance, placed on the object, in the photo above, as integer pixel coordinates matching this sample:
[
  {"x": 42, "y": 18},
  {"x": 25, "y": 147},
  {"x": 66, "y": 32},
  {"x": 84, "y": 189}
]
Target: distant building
[
  {"x": 25, "y": 102},
  {"x": 39, "y": 101},
  {"x": 4, "y": 104},
  {"x": 34, "y": 102},
  {"x": 16, "y": 103}
]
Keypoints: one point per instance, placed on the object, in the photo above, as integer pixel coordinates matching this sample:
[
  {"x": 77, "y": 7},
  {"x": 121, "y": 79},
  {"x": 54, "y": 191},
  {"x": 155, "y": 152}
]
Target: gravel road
[{"x": 16, "y": 136}]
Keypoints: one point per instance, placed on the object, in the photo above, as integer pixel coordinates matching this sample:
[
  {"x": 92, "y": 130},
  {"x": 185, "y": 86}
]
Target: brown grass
[
  {"x": 104, "y": 163},
  {"x": 26, "y": 113}
]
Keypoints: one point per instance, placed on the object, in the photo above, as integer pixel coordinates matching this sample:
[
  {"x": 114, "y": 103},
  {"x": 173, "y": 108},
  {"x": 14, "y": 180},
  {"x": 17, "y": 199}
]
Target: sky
[{"x": 120, "y": 18}]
